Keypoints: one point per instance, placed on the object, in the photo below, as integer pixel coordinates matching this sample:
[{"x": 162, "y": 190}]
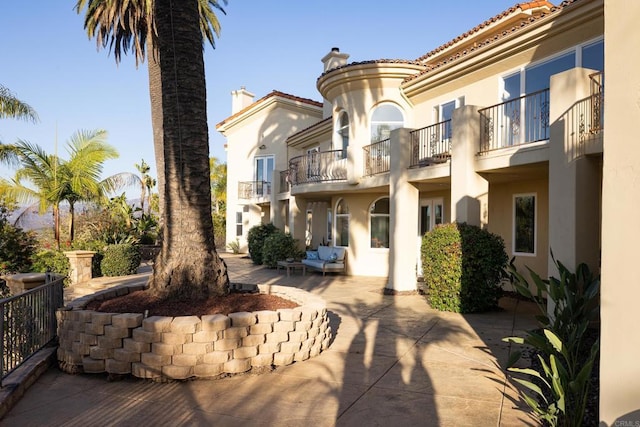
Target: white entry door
[{"x": 431, "y": 214}]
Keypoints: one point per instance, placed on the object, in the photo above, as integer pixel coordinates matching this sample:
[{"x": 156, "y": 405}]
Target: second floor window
[
  {"x": 343, "y": 132},
  {"x": 384, "y": 119}
]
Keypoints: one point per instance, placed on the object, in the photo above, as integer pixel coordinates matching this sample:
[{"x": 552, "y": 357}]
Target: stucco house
[
  {"x": 500, "y": 127},
  {"x": 503, "y": 127}
]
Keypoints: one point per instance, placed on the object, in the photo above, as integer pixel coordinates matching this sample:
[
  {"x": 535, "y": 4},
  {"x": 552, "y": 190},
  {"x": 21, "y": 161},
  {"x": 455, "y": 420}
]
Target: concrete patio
[{"x": 393, "y": 361}]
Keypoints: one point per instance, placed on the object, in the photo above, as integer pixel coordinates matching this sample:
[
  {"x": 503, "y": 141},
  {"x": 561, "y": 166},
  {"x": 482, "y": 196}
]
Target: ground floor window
[
  {"x": 238, "y": 224},
  {"x": 379, "y": 219},
  {"x": 329, "y": 225},
  {"x": 524, "y": 224},
  {"x": 342, "y": 224}
]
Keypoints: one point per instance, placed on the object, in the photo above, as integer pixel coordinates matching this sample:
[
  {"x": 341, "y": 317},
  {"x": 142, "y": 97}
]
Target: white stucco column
[
  {"x": 620, "y": 297},
  {"x": 403, "y": 213},
  {"x": 355, "y": 164},
  {"x": 574, "y": 179},
  {"x": 297, "y": 219},
  {"x": 468, "y": 189}
]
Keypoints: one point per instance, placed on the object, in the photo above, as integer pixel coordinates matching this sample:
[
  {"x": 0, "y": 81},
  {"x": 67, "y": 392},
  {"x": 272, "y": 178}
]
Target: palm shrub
[
  {"x": 559, "y": 388},
  {"x": 255, "y": 240},
  {"x": 279, "y": 246},
  {"x": 463, "y": 266},
  {"x": 120, "y": 260}
]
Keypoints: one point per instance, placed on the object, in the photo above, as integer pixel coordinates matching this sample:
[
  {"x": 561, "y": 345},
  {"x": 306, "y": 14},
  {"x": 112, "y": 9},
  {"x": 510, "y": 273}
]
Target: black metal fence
[
  {"x": 320, "y": 166},
  {"x": 431, "y": 144},
  {"x": 253, "y": 189},
  {"x": 377, "y": 157},
  {"x": 28, "y": 323},
  {"x": 518, "y": 121}
]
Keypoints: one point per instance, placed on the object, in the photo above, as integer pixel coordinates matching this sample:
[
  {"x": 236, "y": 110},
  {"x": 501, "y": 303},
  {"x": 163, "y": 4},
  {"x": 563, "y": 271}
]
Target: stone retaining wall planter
[{"x": 184, "y": 347}]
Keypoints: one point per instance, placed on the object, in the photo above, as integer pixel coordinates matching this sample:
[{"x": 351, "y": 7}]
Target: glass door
[
  {"x": 431, "y": 214},
  {"x": 263, "y": 172}
]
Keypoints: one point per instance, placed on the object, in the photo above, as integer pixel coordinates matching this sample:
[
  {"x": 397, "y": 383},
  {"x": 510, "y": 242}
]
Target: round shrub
[
  {"x": 17, "y": 247},
  {"x": 120, "y": 260},
  {"x": 255, "y": 240},
  {"x": 277, "y": 247},
  {"x": 52, "y": 261},
  {"x": 462, "y": 267}
]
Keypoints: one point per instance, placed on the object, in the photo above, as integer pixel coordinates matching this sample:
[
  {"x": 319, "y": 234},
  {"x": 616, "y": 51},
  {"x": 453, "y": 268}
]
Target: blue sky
[{"x": 49, "y": 62}]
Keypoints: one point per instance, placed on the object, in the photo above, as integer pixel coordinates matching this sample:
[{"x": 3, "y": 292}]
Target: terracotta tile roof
[
  {"x": 373, "y": 61},
  {"x": 272, "y": 94},
  {"x": 308, "y": 128},
  {"x": 553, "y": 10}
]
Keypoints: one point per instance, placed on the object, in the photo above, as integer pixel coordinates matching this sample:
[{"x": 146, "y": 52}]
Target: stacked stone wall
[{"x": 184, "y": 347}]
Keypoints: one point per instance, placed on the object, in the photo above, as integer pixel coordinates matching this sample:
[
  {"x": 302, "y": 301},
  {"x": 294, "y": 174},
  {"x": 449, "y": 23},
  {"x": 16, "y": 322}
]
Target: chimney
[
  {"x": 334, "y": 59},
  {"x": 240, "y": 99}
]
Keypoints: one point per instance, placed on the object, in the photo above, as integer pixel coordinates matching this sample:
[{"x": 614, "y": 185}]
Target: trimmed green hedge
[
  {"x": 462, "y": 268},
  {"x": 120, "y": 260},
  {"x": 255, "y": 240}
]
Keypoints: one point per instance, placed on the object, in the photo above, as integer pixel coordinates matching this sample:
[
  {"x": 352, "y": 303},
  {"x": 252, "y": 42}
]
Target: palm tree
[
  {"x": 218, "y": 184},
  {"x": 147, "y": 182},
  {"x": 188, "y": 265},
  {"x": 12, "y": 107},
  {"x": 50, "y": 180}
]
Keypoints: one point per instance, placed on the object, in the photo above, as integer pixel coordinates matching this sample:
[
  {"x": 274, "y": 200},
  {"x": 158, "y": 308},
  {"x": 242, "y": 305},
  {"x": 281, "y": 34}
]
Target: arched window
[
  {"x": 343, "y": 132},
  {"x": 342, "y": 223},
  {"x": 384, "y": 119},
  {"x": 379, "y": 220}
]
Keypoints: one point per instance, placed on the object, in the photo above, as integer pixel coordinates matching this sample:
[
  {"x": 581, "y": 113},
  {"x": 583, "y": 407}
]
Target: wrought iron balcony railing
[
  {"x": 321, "y": 166},
  {"x": 431, "y": 145},
  {"x": 253, "y": 189},
  {"x": 515, "y": 122},
  {"x": 377, "y": 157},
  {"x": 597, "y": 102}
]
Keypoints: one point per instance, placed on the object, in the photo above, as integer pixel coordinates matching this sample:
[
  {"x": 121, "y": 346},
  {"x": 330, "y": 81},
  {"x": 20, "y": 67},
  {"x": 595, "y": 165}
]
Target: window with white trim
[
  {"x": 239, "y": 229},
  {"x": 379, "y": 223},
  {"x": 524, "y": 224},
  {"x": 343, "y": 132},
  {"x": 384, "y": 119},
  {"x": 342, "y": 223}
]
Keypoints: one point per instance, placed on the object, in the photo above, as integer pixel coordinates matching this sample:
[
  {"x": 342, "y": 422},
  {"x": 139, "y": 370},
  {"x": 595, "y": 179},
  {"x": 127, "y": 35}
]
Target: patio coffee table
[{"x": 292, "y": 265}]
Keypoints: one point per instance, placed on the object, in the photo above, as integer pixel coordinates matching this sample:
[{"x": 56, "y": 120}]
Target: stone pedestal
[
  {"x": 18, "y": 283},
  {"x": 79, "y": 266}
]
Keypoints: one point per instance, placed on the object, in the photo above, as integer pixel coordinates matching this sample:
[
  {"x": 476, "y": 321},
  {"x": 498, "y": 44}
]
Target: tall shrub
[
  {"x": 462, "y": 268},
  {"x": 277, "y": 247},
  {"x": 17, "y": 247},
  {"x": 255, "y": 240},
  {"x": 120, "y": 260}
]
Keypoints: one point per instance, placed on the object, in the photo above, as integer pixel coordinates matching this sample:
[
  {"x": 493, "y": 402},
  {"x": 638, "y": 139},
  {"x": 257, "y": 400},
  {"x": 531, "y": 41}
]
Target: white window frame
[
  {"x": 373, "y": 110},
  {"x": 535, "y": 225},
  {"x": 340, "y": 130}
]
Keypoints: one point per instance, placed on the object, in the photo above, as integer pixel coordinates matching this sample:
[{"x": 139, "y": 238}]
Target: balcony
[
  {"x": 431, "y": 145},
  {"x": 515, "y": 122},
  {"x": 254, "y": 190},
  {"x": 377, "y": 157},
  {"x": 316, "y": 167}
]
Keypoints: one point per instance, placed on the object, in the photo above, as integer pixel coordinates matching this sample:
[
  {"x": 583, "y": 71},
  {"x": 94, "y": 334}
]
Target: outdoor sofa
[{"x": 327, "y": 259}]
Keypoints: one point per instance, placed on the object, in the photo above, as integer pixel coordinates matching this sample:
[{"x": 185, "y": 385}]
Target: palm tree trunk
[
  {"x": 56, "y": 225},
  {"x": 72, "y": 227},
  {"x": 188, "y": 265}
]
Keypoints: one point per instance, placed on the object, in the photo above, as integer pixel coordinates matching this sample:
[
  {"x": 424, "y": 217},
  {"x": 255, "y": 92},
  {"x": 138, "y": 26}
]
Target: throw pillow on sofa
[
  {"x": 312, "y": 255},
  {"x": 333, "y": 257}
]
